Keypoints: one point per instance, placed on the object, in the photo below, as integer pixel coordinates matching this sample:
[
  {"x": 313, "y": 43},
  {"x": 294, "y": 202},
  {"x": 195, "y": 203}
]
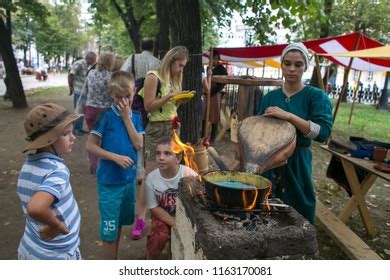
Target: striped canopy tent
[
  {"x": 245, "y": 64},
  {"x": 380, "y": 52},
  {"x": 329, "y": 46}
]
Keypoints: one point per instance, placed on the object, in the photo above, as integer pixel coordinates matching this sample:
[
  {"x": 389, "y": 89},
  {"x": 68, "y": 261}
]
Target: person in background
[
  {"x": 118, "y": 63},
  {"x": 141, "y": 63},
  {"x": 310, "y": 111},
  {"x": 76, "y": 78},
  {"x": 95, "y": 97},
  {"x": 215, "y": 96},
  {"x": 44, "y": 70},
  {"x": 52, "y": 215},
  {"x": 115, "y": 139},
  {"x": 161, "y": 190}
]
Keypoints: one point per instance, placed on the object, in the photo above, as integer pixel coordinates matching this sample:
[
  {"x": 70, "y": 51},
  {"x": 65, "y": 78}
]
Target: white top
[
  {"x": 162, "y": 192},
  {"x": 143, "y": 63}
]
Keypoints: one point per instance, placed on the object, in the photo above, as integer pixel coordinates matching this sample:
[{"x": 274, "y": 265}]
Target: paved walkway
[{"x": 29, "y": 82}]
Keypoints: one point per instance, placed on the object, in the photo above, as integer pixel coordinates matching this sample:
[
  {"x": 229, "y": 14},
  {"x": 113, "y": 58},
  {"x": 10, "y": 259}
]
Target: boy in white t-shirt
[{"x": 161, "y": 189}]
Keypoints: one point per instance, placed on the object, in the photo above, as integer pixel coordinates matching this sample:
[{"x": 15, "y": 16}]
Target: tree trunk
[
  {"x": 66, "y": 60},
  {"x": 186, "y": 31},
  {"x": 384, "y": 99},
  {"x": 15, "y": 87},
  {"x": 25, "y": 56},
  {"x": 162, "y": 41},
  {"x": 135, "y": 36},
  {"x": 314, "y": 81},
  {"x": 332, "y": 70}
]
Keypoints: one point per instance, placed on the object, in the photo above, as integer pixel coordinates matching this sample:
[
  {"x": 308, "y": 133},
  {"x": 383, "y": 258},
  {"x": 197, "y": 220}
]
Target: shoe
[{"x": 138, "y": 229}]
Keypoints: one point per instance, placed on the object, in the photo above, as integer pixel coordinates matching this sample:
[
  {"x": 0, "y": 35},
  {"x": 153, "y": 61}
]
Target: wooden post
[
  {"x": 263, "y": 68},
  {"x": 327, "y": 79},
  {"x": 208, "y": 77},
  {"x": 320, "y": 81},
  {"x": 345, "y": 80},
  {"x": 354, "y": 97}
]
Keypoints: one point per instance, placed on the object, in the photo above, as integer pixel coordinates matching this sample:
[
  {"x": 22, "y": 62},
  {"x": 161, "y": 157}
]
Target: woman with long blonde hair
[{"x": 158, "y": 99}]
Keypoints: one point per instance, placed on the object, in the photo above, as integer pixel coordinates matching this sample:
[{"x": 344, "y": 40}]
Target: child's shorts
[
  {"x": 25, "y": 254},
  {"x": 117, "y": 208}
]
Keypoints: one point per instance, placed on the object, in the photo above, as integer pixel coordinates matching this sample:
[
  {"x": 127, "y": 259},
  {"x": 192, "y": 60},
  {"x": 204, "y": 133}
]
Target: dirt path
[{"x": 12, "y": 222}]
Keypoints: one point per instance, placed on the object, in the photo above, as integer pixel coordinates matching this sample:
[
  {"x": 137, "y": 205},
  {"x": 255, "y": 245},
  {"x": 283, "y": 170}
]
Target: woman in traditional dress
[{"x": 310, "y": 111}]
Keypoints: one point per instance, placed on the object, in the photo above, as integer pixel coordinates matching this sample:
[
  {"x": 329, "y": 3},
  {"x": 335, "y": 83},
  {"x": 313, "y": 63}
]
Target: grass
[
  {"x": 366, "y": 122},
  {"x": 46, "y": 92}
]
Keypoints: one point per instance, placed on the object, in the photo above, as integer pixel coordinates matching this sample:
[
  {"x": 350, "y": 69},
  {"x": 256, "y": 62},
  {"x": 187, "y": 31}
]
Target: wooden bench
[{"x": 348, "y": 241}]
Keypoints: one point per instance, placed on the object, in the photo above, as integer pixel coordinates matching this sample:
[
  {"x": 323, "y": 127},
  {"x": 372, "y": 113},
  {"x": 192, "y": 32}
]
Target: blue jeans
[{"x": 78, "y": 124}]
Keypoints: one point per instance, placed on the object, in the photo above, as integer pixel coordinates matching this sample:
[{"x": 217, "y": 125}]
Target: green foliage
[
  {"x": 32, "y": 8},
  {"x": 371, "y": 17},
  {"x": 332, "y": 18},
  {"x": 62, "y": 32},
  {"x": 106, "y": 19},
  {"x": 56, "y": 29},
  {"x": 22, "y": 27},
  {"x": 215, "y": 14},
  {"x": 218, "y": 12},
  {"x": 118, "y": 41},
  {"x": 267, "y": 18}
]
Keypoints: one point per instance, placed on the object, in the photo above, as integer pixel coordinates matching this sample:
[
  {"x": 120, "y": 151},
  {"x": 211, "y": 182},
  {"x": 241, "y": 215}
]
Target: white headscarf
[{"x": 297, "y": 47}]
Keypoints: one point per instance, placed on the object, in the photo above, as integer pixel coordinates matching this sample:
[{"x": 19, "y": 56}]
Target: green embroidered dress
[{"x": 293, "y": 182}]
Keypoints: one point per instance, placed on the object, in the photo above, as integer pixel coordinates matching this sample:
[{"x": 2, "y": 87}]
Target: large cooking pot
[{"x": 239, "y": 190}]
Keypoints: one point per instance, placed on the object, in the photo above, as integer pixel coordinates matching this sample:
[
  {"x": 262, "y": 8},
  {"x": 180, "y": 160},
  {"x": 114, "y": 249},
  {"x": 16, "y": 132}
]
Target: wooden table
[
  {"x": 335, "y": 226},
  {"x": 246, "y": 94},
  {"x": 358, "y": 189}
]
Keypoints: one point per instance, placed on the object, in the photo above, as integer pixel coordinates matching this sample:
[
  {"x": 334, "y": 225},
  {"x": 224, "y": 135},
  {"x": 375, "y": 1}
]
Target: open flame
[
  {"x": 266, "y": 198},
  {"x": 217, "y": 197},
  {"x": 188, "y": 156},
  {"x": 188, "y": 151},
  {"x": 252, "y": 204}
]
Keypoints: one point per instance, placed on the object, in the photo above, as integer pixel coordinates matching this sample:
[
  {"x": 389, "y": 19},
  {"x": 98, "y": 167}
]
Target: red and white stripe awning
[{"x": 328, "y": 46}]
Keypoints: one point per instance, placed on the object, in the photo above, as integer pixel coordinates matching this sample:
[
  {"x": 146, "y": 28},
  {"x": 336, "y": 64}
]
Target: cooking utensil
[
  {"x": 236, "y": 189},
  {"x": 230, "y": 189},
  {"x": 221, "y": 164}
]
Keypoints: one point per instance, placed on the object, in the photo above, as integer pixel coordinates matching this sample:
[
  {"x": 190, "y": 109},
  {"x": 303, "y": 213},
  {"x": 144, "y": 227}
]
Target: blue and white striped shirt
[{"x": 46, "y": 172}]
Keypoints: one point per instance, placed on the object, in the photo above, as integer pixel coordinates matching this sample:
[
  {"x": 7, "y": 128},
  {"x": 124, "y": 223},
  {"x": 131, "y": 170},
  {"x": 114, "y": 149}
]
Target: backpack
[{"x": 138, "y": 100}]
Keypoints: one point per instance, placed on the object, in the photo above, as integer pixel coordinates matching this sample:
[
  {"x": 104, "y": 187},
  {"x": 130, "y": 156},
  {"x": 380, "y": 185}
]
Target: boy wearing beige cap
[{"x": 51, "y": 211}]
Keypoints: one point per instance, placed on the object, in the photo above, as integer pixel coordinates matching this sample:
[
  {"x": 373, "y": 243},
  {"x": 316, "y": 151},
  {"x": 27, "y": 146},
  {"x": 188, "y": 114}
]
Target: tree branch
[{"x": 120, "y": 12}]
